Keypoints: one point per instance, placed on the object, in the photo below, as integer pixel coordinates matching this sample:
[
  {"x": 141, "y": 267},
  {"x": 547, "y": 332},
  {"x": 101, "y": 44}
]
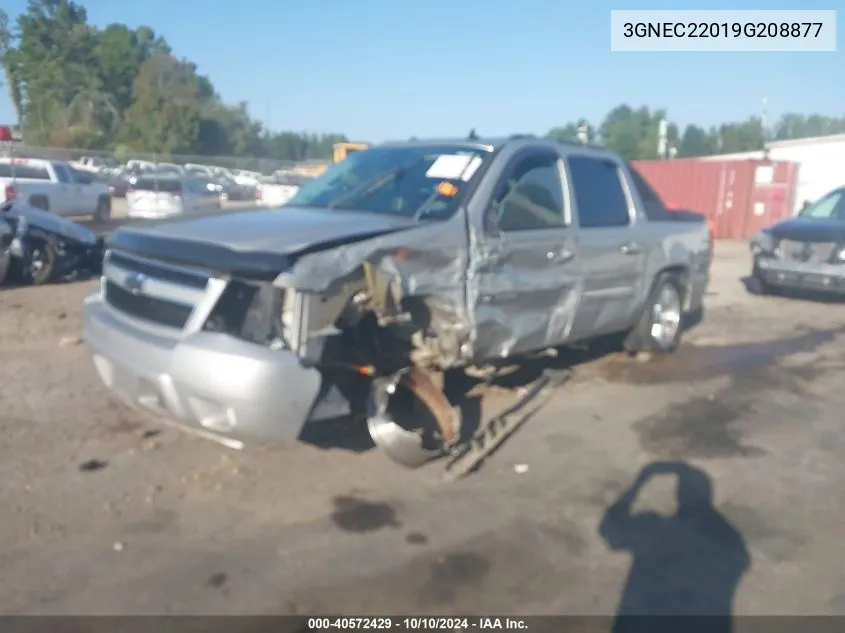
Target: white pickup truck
[{"x": 53, "y": 186}]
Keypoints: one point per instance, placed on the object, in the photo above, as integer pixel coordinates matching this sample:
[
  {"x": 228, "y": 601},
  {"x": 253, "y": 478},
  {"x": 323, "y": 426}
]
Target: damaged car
[
  {"x": 401, "y": 264},
  {"x": 803, "y": 253},
  {"x": 45, "y": 248}
]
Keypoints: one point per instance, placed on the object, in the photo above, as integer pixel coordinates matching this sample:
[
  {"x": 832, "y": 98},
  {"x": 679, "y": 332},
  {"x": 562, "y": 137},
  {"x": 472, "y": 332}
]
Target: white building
[{"x": 821, "y": 161}]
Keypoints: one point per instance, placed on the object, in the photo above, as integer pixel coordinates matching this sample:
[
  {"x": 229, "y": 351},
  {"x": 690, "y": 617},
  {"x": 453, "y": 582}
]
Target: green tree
[
  {"x": 165, "y": 114},
  {"x": 696, "y": 141}
]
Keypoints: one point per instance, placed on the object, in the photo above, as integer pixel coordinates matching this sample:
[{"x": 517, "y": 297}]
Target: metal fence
[{"x": 266, "y": 166}]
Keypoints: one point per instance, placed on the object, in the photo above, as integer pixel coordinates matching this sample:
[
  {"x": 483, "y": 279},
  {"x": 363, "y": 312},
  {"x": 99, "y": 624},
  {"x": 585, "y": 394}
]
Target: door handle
[{"x": 631, "y": 248}]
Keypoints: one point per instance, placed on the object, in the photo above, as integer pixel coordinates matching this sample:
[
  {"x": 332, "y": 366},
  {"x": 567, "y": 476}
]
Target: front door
[{"x": 527, "y": 269}]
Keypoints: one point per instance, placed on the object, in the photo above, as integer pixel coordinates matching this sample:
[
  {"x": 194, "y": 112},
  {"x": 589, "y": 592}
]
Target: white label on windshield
[
  {"x": 448, "y": 166},
  {"x": 473, "y": 166}
]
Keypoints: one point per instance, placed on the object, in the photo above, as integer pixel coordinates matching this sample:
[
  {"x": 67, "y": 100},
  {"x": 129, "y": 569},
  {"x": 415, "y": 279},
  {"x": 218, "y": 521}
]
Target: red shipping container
[{"x": 739, "y": 197}]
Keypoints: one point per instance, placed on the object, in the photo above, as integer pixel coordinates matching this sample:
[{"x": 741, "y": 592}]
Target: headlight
[
  {"x": 840, "y": 254},
  {"x": 763, "y": 242}
]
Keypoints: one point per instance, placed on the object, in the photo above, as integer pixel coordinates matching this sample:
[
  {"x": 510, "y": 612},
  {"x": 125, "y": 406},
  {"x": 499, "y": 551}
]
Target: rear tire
[
  {"x": 660, "y": 328},
  {"x": 103, "y": 211}
]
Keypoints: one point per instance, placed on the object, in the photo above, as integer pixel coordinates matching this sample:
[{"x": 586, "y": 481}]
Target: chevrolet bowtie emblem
[{"x": 135, "y": 283}]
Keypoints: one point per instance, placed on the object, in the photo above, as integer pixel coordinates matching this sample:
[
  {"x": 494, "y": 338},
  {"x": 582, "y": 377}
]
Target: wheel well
[
  {"x": 39, "y": 197},
  {"x": 682, "y": 274}
]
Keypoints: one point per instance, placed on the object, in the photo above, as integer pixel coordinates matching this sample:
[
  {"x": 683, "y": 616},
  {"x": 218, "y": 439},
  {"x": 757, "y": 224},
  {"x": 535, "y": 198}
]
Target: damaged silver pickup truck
[{"x": 400, "y": 263}]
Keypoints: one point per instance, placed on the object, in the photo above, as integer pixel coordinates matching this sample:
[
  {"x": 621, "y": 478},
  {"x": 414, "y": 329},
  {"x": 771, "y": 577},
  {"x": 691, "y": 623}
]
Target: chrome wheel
[
  {"x": 40, "y": 262},
  {"x": 666, "y": 316}
]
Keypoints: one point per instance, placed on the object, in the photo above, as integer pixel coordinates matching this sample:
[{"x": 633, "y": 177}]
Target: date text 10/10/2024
[{"x": 417, "y": 624}]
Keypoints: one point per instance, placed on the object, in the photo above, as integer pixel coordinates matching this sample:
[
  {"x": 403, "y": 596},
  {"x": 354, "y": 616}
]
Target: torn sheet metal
[
  {"x": 525, "y": 293},
  {"x": 428, "y": 261}
]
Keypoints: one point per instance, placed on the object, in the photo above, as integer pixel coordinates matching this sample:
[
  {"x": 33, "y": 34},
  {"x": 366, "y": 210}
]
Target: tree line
[
  {"x": 634, "y": 133},
  {"x": 120, "y": 89},
  {"x": 74, "y": 85}
]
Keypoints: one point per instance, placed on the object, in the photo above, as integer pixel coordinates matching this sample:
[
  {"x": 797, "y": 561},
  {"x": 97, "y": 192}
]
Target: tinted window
[
  {"x": 831, "y": 207},
  {"x": 598, "y": 192},
  {"x": 652, "y": 203},
  {"x": 163, "y": 185},
  {"x": 532, "y": 197},
  {"x": 81, "y": 176},
  {"x": 62, "y": 173},
  {"x": 8, "y": 170}
]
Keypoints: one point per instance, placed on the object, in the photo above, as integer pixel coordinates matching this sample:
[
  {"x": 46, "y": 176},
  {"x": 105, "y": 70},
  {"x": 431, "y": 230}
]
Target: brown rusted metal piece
[{"x": 419, "y": 382}]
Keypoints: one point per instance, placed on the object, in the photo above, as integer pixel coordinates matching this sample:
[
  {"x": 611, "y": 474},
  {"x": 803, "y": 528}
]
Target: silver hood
[{"x": 280, "y": 231}]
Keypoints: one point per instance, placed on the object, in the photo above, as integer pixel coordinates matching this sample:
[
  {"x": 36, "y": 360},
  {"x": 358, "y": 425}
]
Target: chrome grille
[
  {"x": 162, "y": 312},
  {"x": 160, "y": 293},
  {"x": 816, "y": 252}
]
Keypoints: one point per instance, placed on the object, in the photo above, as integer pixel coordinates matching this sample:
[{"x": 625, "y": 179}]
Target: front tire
[
  {"x": 757, "y": 285},
  {"x": 41, "y": 262},
  {"x": 660, "y": 328}
]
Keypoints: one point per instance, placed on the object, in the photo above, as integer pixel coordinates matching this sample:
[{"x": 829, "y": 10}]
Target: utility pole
[
  {"x": 662, "y": 131},
  {"x": 584, "y": 132},
  {"x": 763, "y": 120}
]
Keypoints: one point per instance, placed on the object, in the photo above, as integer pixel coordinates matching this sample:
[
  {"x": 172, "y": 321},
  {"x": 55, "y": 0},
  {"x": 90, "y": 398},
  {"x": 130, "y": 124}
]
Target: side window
[
  {"x": 652, "y": 203},
  {"x": 598, "y": 192},
  {"x": 81, "y": 177},
  {"x": 61, "y": 173},
  {"x": 532, "y": 196}
]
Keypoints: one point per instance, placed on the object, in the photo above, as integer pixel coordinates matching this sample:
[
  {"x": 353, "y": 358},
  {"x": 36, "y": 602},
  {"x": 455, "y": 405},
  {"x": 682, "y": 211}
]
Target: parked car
[
  {"x": 230, "y": 190},
  {"x": 246, "y": 178},
  {"x": 39, "y": 247},
  {"x": 93, "y": 163},
  {"x": 7, "y": 234},
  {"x": 400, "y": 263},
  {"x": 54, "y": 186},
  {"x": 117, "y": 185},
  {"x": 278, "y": 190},
  {"x": 803, "y": 252},
  {"x": 153, "y": 196}
]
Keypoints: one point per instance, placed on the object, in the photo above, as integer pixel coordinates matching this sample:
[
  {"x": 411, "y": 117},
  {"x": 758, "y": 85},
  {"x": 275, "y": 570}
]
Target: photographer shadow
[{"x": 685, "y": 567}]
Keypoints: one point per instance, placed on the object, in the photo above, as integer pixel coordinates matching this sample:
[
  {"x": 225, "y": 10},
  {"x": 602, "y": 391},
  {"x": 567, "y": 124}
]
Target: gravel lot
[{"x": 106, "y": 511}]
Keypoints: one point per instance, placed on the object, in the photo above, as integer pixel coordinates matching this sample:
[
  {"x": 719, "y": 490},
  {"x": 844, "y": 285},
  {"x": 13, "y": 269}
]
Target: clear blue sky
[{"x": 380, "y": 69}]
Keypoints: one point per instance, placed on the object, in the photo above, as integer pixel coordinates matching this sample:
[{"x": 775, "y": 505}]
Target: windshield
[
  {"x": 398, "y": 180},
  {"x": 831, "y": 207}
]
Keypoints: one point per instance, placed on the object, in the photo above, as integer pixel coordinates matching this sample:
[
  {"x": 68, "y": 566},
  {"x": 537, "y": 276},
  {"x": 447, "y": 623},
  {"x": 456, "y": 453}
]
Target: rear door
[
  {"x": 68, "y": 200},
  {"x": 613, "y": 258},
  {"x": 527, "y": 269}
]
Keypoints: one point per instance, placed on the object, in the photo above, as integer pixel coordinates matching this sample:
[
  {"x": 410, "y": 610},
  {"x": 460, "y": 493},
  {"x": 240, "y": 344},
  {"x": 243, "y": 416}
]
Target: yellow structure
[{"x": 340, "y": 150}]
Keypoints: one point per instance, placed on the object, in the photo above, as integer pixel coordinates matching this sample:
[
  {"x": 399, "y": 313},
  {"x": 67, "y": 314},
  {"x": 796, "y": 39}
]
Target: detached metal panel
[{"x": 737, "y": 196}]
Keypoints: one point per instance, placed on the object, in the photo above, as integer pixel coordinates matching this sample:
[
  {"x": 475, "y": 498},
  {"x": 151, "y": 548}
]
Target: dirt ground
[{"x": 107, "y": 511}]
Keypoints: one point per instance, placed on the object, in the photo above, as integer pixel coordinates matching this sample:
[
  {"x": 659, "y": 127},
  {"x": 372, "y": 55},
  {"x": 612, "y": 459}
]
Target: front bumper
[
  {"x": 213, "y": 383},
  {"x": 786, "y": 274}
]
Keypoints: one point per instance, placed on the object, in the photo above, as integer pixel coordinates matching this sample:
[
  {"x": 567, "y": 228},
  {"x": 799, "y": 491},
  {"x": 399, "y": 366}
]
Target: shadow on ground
[{"x": 687, "y": 564}]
